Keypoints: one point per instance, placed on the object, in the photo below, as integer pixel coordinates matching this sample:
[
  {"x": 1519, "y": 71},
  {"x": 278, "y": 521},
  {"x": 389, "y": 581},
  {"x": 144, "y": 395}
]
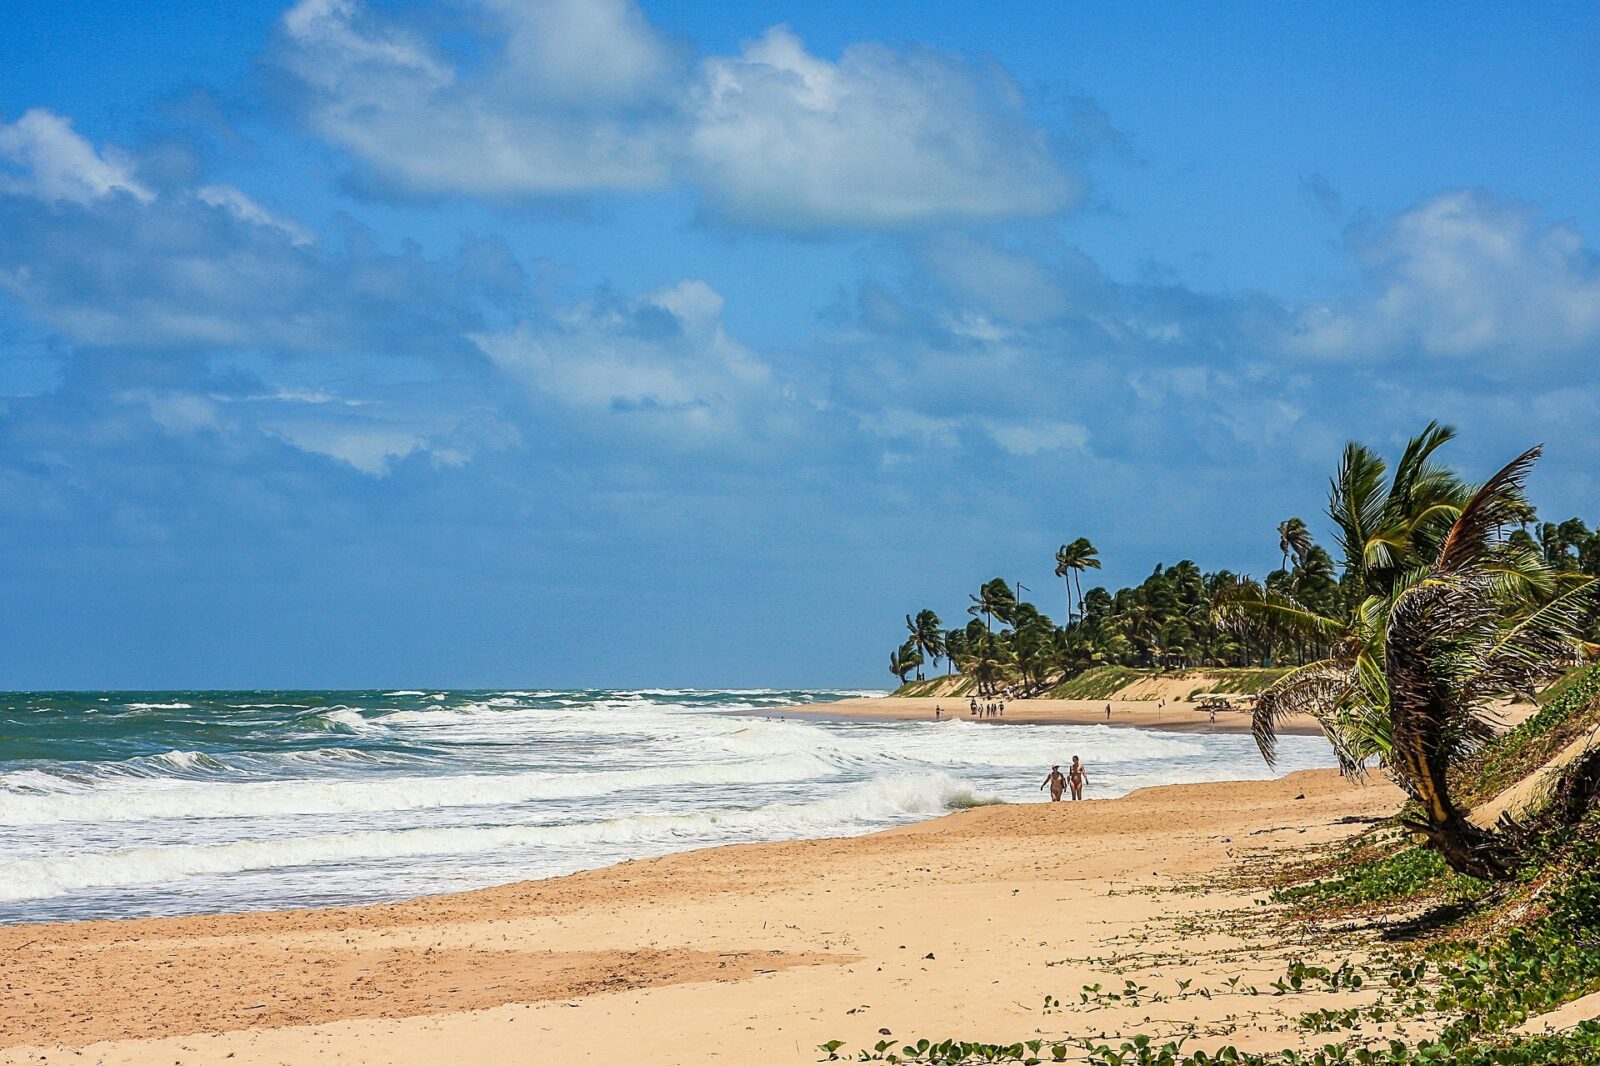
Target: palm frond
[
  {"x": 1314, "y": 689},
  {"x": 1491, "y": 508},
  {"x": 1526, "y": 652},
  {"x": 1247, "y": 603}
]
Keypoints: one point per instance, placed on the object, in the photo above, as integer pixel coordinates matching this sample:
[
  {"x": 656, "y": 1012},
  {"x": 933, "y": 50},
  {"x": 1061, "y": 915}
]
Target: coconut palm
[
  {"x": 955, "y": 647},
  {"x": 1561, "y": 543},
  {"x": 1033, "y": 648},
  {"x": 1386, "y": 531},
  {"x": 1413, "y": 671},
  {"x": 994, "y": 600},
  {"x": 1294, "y": 539},
  {"x": 988, "y": 660},
  {"x": 926, "y": 637},
  {"x": 903, "y": 660},
  {"x": 1071, "y": 561}
]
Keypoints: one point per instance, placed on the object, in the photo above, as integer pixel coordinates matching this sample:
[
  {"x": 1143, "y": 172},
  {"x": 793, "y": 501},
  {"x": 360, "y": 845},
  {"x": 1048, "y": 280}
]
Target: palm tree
[
  {"x": 988, "y": 659},
  {"x": 1450, "y": 623},
  {"x": 955, "y": 646},
  {"x": 1294, "y": 537},
  {"x": 1385, "y": 533},
  {"x": 1452, "y": 646},
  {"x": 903, "y": 660},
  {"x": 1064, "y": 572},
  {"x": 1071, "y": 561},
  {"x": 1560, "y": 541},
  {"x": 994, "y": 600},
  {"x": 1034, "y": 650},
  {"x": 926, "y": 637}
]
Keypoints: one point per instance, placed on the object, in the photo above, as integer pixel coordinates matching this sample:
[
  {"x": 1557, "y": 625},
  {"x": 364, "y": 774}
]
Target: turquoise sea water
[{"x": 121, "y": 804}]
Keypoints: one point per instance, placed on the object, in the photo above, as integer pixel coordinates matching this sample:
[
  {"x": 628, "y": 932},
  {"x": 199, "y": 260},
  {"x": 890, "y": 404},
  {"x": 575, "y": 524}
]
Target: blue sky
[{"x": 566, "y": 342}]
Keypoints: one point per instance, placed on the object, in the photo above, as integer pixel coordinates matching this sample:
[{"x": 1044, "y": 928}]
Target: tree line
[
  {"x": 1447, "y": 598},
  {"x": 1181, "y": 616}
]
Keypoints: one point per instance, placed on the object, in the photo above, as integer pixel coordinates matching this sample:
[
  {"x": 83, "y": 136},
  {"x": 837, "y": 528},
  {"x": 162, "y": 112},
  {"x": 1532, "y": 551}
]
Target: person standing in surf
[
  {"x": 1076, "y": 776},
  {"x": 1056, "y": 782}
]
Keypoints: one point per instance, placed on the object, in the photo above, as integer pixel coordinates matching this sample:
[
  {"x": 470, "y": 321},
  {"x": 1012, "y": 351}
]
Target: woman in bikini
[{"x": 1076, "y": 776}]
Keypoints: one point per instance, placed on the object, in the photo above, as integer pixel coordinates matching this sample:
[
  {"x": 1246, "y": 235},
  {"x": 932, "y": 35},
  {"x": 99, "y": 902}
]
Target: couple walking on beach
[{"x": 1074, "y": 778}]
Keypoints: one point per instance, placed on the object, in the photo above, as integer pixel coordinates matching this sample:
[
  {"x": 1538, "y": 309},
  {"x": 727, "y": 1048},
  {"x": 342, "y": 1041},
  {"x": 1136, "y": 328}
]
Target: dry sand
[
  {"x": 958, "y": 927},
  {"x": 1177, "y": 715}
]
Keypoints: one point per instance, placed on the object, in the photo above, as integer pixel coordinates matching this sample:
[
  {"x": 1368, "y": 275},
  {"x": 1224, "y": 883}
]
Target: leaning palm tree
[
  {"x": 1387, "y": 529},
  {"x": 903, "y": 660},
  {"x": 926, "y": 637},
  {"x": 1071, "y": 561},
  {"x": 1294, "y": 539},
  {"x": 1064, "y": 572},
  {"x": 994, "y": 600},
  {"x": 1415, "y": 671}
]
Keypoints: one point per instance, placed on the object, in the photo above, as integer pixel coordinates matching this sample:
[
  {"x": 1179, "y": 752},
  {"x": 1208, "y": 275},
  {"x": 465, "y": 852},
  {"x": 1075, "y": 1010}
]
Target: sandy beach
[
  {"x": 1176, "y": 715},
  {"x": 960, "y": 926}
]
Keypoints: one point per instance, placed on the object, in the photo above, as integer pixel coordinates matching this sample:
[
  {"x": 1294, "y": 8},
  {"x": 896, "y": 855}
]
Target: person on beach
[
  {"x": 1002, "y": 711},
  {"x": 1056, "y": 782},
  {"x": 938, "y": 712},
  {"x": 1108, "y": 712},
  {"x": 1076, "y": 776},
  {"x": 973, "y": 702}
]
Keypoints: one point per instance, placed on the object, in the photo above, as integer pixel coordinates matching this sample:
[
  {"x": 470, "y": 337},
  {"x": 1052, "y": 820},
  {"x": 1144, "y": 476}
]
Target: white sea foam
[
  {"x": 186, "y": 761},
  {"x": 160, "y": 706},
  {"x": 415, "y": 791},
  {"x": 370, "y": 795},
  {"x": 340, "y": 719},
  {"x": 853, "y": 810}
]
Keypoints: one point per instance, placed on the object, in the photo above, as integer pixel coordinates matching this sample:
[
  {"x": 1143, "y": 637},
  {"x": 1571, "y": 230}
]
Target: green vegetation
[
  {"x": 1386, "y": 874},
  {"x": 1310, "y": 612},
  {"x": 1097, "y": 683},
  {"x": 1439, "y": 614},
  {"x": 1448, "y": 598},
  {"x": 1245, "y": 681},
  {"x": 1511, "y": 756},
  {"x": 1558, "y": 688},
  {"x": 1469, "y": 991}
]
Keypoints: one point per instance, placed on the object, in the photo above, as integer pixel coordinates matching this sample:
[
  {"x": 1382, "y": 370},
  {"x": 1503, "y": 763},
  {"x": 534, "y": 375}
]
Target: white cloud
[
  {"x": 882, "y": 138},
  {"x": 1015, "y": 285},
  {"x": 1461, "y": 276},
  {"x": 1033, "y": 437},
  {"x": 570, "y": 96},
  {"x": 178, "y": 413},
  {"x": 583, "y": 52},
  {"x": 568, "y": 105},
  {"x": 241, "y": 207},
  {"x": 663, "y": 359},
  {"x": 42, "y": 156}
]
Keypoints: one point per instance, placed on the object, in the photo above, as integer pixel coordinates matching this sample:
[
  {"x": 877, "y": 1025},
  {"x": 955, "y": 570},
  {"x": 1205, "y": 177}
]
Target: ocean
[{"x": 122, "y": 804}]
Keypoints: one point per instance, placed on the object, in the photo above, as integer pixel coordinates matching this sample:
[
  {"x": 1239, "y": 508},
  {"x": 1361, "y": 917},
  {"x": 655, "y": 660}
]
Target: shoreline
[
  {"x": 749, "y": 952},
  {"x": 1179, "y": 716}
]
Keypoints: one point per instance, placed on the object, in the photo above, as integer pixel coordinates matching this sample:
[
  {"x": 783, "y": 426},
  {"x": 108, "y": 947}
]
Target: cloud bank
[{"x": 579, "y": 96}]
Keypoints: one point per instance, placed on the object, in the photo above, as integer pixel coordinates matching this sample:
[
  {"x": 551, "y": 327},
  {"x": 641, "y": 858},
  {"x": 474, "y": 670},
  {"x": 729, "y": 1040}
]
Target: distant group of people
[
  {"x": 992, "y": 709},
  {"x": 1073, "y": 779}
]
